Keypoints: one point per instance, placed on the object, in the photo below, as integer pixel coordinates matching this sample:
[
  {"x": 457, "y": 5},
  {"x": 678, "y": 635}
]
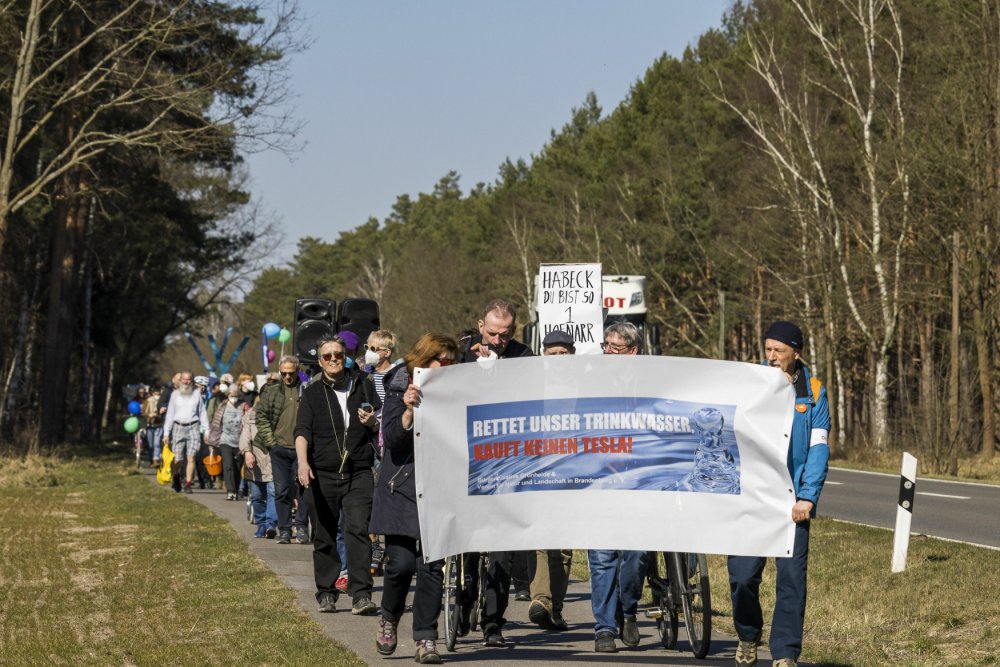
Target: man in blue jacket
[{"x": 808, "y": 452}]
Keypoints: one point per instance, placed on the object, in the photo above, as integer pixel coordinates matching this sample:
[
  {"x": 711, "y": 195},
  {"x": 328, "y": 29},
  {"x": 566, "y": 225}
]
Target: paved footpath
[{"x": 527, "y": 645}]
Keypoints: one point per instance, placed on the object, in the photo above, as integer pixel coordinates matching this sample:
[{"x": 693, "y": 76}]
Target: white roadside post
[{"x": 904, "y": 512}]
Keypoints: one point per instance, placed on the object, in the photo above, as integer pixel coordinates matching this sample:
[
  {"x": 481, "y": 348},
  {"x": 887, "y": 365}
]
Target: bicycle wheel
[
  {"x": 664, "y": 608},
  {"x": 484, "y": 566},
  {"x": 452, "y": 605},
  {"x": 692, "y": 579}
]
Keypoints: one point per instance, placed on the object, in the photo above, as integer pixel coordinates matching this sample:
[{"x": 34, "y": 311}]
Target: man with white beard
[{"x": 186, "y": 420}]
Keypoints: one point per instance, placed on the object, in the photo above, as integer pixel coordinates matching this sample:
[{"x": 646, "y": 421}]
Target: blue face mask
[{"x": 348, "y": 362}]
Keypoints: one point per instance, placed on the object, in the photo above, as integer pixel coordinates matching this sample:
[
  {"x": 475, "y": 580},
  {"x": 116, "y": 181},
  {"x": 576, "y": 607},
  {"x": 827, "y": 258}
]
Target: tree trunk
[
  {"x": 953, "y": 375},
  {"x": 61, "y": 312}
]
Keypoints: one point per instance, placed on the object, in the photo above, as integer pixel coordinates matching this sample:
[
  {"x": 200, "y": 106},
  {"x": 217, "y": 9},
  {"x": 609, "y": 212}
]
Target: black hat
[
  {"x": 786, "y": 332},
  {"x": 557, "y": 337}
]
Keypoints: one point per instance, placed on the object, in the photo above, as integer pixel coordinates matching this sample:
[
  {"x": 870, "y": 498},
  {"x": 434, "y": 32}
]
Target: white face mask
[
  {"x": 223, "y": 387},
  {"x": 372, "y": 358},
  {"x": 248, "y": 386}
]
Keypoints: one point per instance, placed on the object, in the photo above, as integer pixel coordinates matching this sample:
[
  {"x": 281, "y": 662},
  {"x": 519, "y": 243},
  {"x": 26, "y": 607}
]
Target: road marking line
[
  {"x": 922, "y": 479},
  {"x": 834, "y": 483},
  {"x": 942, "y": 495}
]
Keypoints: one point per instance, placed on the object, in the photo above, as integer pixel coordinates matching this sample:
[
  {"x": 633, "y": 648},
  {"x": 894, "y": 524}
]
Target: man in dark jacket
[
  {"x": 276, "y": 417},
  {"x": 496, "y": 340},
  {"x": 334, "y": 444},
  {"x": 496, "y": 334}
]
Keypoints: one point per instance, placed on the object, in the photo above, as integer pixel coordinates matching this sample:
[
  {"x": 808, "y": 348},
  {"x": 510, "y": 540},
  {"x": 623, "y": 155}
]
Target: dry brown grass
[
  {"x": 943, "y": 610},
  {"x": 99, "y": 567},
  {"x": 971, "y": 468}
]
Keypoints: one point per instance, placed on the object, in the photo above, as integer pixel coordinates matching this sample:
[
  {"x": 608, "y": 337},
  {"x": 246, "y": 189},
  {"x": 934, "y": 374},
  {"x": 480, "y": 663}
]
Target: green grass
[
  {"x": 99, "y": 567},
  {"x": 943, "y": 610}
]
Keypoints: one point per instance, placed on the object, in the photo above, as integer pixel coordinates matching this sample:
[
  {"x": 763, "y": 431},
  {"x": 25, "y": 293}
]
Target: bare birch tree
[{"x": 860, "y": 48}]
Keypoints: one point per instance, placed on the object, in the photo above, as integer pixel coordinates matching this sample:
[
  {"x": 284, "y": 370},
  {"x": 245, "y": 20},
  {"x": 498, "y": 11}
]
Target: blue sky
[{"x": 395, "y": 94}]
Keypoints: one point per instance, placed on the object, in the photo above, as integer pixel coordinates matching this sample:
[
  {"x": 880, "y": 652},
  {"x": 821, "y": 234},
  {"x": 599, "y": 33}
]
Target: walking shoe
[
  {"x": 261, "y": 531},
  {"x": 302, "y": 534},
  {"x": 604, "y": 642},
  {"x": 285, "y": 537},
  {"x": 784, "y": 662},
  {"x": 746, "y": 654},
  {"x": 492, "y": 636},
  {"x": 539, "y": 614},
  {"x": 558, "y": 622},
  {"x": 187, "y": 487},
  {"x": 385, "y": 638},
  {"x": 270, "y": 532},
  {"x": 522, "y": 596},
  {"x": 427, "y": 653},
  {"x": 327, "y": 603},
  {"x": 230, "y": 496},
  {"x": 630, "y": 631},
  {"x": 363, "y": 607},
  {"x": 341, "y": 584}
]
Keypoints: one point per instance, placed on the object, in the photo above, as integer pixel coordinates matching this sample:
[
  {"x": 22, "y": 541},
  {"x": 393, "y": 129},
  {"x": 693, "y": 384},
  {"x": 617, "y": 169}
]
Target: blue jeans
[
  {"x": 790, "y": 600},
  {"x": 154, "y": 438},
  {"x": 262, "y": 499},
  {"x": 341, "y": 546},
  {"x": 616, "y": 579}
]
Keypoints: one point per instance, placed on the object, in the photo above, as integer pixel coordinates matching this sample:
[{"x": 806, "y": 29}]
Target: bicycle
[
  {"x": 683, "y": 589},
  {"x": 456, "y": 585}
]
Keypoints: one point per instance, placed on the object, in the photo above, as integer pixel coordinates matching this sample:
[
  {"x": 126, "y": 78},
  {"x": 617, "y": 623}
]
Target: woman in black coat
[{"x": 394, "y": 511}]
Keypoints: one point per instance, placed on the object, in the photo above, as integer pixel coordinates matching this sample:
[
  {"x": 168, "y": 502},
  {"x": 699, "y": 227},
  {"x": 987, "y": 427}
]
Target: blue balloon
[
  {"x": 271, "y": 330},
  {"x": 135, "y": 407}
]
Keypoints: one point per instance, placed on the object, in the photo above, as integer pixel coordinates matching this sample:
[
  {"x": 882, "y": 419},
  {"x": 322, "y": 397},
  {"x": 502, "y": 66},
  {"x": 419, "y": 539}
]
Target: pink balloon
[{"x": 271, "y": 355}]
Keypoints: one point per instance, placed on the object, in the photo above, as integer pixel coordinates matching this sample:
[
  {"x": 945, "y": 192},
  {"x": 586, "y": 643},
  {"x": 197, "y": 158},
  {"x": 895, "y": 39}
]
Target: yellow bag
[{"x": 164, "y": 475}]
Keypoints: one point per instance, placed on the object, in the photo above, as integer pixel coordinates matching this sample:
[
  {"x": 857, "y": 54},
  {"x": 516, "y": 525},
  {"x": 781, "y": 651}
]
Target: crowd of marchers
[{"x": 328, "y": 460}]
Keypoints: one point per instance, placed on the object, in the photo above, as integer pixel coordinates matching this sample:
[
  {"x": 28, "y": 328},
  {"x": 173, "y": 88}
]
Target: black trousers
[
  {"x": 231, "y": 464},
  {"x": 523, "y": 570},
  {"x": 497, "y": 588},
  {"x": 404, "y": 559},
  {"x": 328, "y": 494}
]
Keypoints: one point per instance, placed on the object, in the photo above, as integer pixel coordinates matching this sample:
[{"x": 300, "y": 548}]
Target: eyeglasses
[
  {"x": 328, "y": 356},
  {"x": 445, "y": 361},
  {"x": 615, "y": 349},
  {"x": 376, "y": 348},
  {"x": 289, "y": 374}
]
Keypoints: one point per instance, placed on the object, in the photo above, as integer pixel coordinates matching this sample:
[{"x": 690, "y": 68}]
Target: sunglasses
[
  {"x": 376, "y": 348},
  {"x": 289, "y": 373},
  {"x": 327, "y": 356}
]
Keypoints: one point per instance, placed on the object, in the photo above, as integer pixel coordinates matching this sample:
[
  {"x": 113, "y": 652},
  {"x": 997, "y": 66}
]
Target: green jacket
[{"x": 272, "y": 402}]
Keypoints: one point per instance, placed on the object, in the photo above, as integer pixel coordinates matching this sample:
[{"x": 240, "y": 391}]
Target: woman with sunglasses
[
  {"x": 334, "y": 444},
  {"x": 394, "y": 513}
]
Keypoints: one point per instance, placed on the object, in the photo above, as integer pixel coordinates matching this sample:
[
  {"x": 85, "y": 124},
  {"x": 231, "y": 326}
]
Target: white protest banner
[
  {"x": 569, "y": 298},
  {"x": 604, "y": 452}
]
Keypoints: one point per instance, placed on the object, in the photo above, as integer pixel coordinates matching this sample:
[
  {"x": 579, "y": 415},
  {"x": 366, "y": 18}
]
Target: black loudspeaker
[
  {"x": 313, "y": 319},
  {"x": 359, "y": 316}
]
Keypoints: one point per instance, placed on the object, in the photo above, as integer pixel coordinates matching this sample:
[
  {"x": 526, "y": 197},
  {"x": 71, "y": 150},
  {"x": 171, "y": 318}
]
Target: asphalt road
[{"x": 962, "y": 511}]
